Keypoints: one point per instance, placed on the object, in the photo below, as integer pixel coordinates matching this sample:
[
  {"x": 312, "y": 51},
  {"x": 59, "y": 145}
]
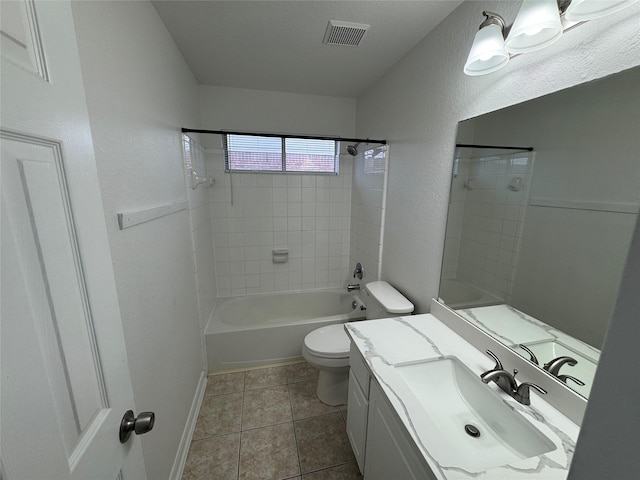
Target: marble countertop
[{"x": 391, "y": 341}]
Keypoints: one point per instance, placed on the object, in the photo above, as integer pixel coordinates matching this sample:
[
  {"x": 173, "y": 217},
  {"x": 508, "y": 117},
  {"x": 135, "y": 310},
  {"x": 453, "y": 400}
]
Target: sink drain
[{"x": 472, "y": 430}]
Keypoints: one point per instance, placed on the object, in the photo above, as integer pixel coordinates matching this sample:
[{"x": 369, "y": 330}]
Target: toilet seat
[{"x": 328, "y": 342}]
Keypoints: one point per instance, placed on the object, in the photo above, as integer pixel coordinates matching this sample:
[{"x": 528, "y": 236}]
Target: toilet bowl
[{"x": 327, "y": 348}]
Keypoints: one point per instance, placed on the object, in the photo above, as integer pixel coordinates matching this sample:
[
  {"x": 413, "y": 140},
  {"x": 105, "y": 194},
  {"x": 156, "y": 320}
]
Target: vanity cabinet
[
  {"x": 382, "y": 447},
  {"x": 358, "y": 405},
  {"x": 390, "y": 452}
]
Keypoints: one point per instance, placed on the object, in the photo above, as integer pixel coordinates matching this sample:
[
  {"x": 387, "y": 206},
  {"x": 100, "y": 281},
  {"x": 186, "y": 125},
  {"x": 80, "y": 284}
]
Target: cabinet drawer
[{"x": 359, "y": 370}]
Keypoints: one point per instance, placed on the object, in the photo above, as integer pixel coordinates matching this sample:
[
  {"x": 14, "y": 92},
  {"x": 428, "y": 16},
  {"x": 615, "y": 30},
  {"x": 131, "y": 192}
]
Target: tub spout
[{"x": 353, "y": 286}]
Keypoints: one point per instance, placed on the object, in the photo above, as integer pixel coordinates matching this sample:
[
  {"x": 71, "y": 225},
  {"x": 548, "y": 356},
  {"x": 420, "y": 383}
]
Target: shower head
[{"x": 353, "y": 149}]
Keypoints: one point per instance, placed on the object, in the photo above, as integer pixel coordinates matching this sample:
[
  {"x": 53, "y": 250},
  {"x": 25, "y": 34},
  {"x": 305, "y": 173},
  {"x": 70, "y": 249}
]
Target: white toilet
[{"x": 327, "y": 348}]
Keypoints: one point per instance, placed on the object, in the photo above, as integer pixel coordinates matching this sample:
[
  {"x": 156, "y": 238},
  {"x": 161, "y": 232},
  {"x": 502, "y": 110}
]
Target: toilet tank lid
[{"x": 390, "y": 298}]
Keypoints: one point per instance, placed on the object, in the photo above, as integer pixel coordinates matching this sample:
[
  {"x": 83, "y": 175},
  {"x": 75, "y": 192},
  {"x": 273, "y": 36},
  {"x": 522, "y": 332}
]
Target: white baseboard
[{"x": 187, "y": 434}]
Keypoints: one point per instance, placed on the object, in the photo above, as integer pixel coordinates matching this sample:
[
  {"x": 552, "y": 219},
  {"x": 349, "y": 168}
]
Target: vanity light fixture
[
  {"x": 487, "y": 52},
  {"x": 584, "y": 10},
  {"x": 537, "y": 25}
]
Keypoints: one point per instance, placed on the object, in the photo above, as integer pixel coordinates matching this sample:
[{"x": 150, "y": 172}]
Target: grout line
[
  {"x": 240, "y": 433},
  {"x": 295, "y": 435},
  {"x": 265, "y": 426},
  {"x": 329, "y": 467}
]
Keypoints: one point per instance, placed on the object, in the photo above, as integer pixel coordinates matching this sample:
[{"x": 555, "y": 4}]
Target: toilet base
[{"x": 333, "y": 387}]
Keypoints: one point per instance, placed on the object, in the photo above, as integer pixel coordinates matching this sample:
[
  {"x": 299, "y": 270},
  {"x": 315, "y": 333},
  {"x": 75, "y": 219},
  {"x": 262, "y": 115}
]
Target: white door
[{"x": 64, "y": 371}]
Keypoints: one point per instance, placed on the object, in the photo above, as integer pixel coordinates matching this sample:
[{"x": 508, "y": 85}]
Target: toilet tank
[{"x": 382, "y": 301}]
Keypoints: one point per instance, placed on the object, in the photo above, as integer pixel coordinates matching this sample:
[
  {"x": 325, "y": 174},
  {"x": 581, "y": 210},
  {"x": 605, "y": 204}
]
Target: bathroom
[{"x": 140, "y": 91}]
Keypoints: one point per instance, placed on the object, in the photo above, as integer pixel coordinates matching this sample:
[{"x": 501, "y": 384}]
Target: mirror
[{"x": 537, "y": 241}]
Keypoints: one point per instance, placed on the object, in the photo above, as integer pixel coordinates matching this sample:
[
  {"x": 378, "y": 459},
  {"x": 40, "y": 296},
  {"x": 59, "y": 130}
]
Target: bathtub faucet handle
[
  {"x": 353, "y": 286},
  {"x": 359, "y": 271}
]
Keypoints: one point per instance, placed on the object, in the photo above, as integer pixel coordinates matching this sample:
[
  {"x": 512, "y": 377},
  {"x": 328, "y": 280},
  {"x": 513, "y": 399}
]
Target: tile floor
[{"x": 268, "y": 424}]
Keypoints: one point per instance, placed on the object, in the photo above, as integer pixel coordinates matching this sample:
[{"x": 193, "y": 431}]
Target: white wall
[
  {"x": 308, "y": 214},
  {"x": 139, "y": 93},
  {"x": 224, "y": 108},
  {"x": 426, "y": 94}
]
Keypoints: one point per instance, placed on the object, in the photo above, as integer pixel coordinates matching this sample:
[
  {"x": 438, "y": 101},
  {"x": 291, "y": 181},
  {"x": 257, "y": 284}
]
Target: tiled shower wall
[
  {"x": 491, "y": 222},
  {"x": 367, "y": 211},
  {"x": 201, "y": 237},
  {"x": 253, "y": 213}
]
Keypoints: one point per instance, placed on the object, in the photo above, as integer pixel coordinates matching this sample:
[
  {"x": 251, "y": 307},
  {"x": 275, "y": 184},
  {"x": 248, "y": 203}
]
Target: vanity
[
  {"x": 419, "y": 410},
  {"x": 538, "y": 232}
]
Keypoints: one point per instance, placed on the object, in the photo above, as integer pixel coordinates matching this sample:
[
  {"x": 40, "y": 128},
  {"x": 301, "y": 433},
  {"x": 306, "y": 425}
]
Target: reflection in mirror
[{"x": 537, "y": 241}]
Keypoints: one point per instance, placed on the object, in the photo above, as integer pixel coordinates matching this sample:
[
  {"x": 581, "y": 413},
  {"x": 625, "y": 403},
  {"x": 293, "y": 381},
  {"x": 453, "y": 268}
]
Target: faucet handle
[
  {"x": 496, "y": 359},
  {"x": 359, "y": 271},
  {"x": 535, "y": 387},
  {"x": 522, "y": 394},
  {"x": 564, "y": 379},
  {"x": 531, "y": 354}
]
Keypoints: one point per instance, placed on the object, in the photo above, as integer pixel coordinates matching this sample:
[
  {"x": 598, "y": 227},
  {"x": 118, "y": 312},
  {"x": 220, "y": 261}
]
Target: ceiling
[{"x": 277, "y": 45}]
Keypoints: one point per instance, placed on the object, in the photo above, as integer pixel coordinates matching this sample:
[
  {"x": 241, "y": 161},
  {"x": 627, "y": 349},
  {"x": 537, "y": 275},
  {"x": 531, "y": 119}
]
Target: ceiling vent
[{"x": 345, "y": 34}]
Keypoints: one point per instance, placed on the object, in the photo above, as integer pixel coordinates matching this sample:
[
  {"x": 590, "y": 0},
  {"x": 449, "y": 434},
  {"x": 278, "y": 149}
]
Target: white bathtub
[
  {"x": 265, "y": 329},
  {"x": 459, "y": 294}
]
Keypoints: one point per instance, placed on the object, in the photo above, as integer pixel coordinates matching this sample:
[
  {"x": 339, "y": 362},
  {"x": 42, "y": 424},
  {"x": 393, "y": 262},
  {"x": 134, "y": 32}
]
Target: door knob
[{"x": 142, "y": 424}]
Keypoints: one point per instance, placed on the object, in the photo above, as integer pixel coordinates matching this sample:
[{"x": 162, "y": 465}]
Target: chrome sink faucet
[
  {"x": 553, "y": 367},
  {"x": 507, "y": 382}
]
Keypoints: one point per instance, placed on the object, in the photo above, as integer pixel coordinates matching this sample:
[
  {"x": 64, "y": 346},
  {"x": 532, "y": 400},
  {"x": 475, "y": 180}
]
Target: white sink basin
[
  {"x": 443, "y": 396},
  {"x": 585, "y": 369}
]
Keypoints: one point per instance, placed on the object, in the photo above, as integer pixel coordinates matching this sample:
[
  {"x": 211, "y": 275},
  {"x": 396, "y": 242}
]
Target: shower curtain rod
[
  {"x": 284, "y": 135},
  {"x": 467, "y": 145}
]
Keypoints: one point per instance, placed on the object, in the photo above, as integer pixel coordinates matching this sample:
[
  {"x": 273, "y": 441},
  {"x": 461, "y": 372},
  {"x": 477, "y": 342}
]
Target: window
[{"x": 253, "y": 153}]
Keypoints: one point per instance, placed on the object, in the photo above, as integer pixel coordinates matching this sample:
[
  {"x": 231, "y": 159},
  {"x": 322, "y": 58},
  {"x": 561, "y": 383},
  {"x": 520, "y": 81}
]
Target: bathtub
[
  {"x": 270, "y": 328},
  {"x": 459, "y": 294}
]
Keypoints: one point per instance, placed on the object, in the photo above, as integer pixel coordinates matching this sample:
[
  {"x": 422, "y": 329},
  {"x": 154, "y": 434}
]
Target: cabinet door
[
  {"x": 357, "y": 411},
  {"x": 390, "y": 453}
]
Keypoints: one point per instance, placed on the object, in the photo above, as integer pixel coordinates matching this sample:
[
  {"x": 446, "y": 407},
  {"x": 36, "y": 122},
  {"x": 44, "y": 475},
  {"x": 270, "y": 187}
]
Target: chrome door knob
[{"x": 141, "y": 424}]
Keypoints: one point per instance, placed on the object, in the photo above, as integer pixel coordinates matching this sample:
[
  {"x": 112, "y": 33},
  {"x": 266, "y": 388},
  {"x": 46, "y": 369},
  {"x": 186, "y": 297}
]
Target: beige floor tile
[
  {"x": 348, "y": 471},
  {"x": 304, "y": 401},
  {"x": 215, "y": 457},
  {"x": 266, "y": 406},
  {"x": 344, "y": 415},
  {"x": 301, "y": 372},
  {"x": 219, "y": 415},
  {"x": 268, "y": 453},
  {"x": 224, "y": 383},
  {"x": 265, "y": 377},
  {"x": 322, "y": 442}
]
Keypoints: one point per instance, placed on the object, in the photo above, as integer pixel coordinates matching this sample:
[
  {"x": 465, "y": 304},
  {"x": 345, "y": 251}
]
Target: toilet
[{"x": 327, "y": 348}]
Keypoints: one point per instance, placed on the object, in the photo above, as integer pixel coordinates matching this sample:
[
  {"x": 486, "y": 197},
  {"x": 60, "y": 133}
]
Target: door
[{"x": 64, "y": 371}]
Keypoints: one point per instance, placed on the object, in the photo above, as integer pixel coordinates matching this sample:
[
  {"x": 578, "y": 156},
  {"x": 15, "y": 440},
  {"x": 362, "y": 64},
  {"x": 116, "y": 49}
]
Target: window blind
[{"x": 251, "y": 153}]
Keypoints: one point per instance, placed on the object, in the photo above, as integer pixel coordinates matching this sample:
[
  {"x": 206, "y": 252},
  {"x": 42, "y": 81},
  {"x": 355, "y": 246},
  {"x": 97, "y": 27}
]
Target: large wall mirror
[{"x": 544, "y": 199}]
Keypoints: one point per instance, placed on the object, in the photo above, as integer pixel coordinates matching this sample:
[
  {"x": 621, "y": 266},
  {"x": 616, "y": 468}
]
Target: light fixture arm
[{"x": 492, "y": 19}]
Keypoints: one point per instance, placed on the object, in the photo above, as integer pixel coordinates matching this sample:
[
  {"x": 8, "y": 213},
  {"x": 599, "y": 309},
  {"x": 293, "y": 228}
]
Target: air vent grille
[{"x": 345, "y": 34}]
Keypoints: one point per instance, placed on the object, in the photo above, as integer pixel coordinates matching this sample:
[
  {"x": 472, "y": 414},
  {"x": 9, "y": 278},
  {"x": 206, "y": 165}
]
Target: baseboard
[{"x": 187, "y": 434}]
